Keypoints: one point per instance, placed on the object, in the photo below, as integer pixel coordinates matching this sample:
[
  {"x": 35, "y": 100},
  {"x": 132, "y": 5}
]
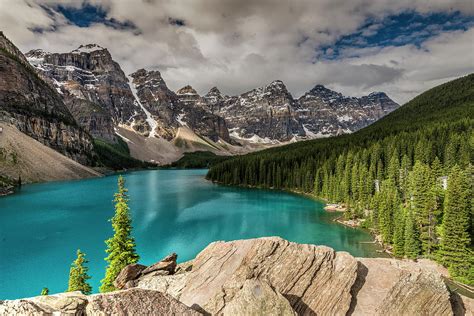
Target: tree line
[{"x": 407, "y": 177}]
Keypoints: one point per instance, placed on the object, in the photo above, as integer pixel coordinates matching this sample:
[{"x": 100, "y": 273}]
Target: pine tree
[
  {"x": 78, "y": 275},
  {"x": 394, "y": 168},
  {"x": 412, "y": 242},
  {"x": 454, "y": 251},
  {"x": 45, "y": 291},
  {"x": 424, "y": 203},
  {"x": 121, "y": 247},
  {"x": 399, "y": 233},
  {"x": 388, "y": 201}
]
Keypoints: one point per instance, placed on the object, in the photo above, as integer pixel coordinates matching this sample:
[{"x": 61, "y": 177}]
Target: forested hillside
[{"x": 408, "y": 177}]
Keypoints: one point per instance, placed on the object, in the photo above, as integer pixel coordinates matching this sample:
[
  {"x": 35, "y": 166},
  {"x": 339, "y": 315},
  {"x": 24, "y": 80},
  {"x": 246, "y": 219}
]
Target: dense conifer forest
[{"x": 407, "y": 177}]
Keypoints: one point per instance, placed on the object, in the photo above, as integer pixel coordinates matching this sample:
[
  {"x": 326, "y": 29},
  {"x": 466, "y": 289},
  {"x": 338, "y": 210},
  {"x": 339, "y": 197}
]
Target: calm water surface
[{"x": 173, "y": 211}]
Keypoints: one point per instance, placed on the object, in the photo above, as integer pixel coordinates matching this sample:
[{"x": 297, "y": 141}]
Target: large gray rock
[
  {"x": 269, "y": 276},
  {"x": 69, "y": 303},
  {"x": 395, "y": 287},
  {"x": 257, "y": 298},
  {"x": 126, "y": 302},
  {"x": 136, "y": 302},
  {"x": 165, "y": 266},
  {"x": 128, "y": 275},
  {"x": 297, "y": 271}
]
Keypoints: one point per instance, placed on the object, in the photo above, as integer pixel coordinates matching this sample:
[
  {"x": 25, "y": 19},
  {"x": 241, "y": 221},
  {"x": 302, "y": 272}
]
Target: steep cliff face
[
  {"x": 324, "y": 112},
  {"x": 89, "y": 73},
  {"x": 266, "y": 112},
  {"x": 36, "y": 109},
  {"x": 196, "y": 114},
  {"x": 161, "y": 103},
  {"x": 270, "y": 114},
  {"x": 172, "y": 110}
]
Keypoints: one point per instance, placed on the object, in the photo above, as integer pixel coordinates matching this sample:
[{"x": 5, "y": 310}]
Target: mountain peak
[
  {"x": 377, "y": 94},
  {"x": 277, "y": 83},
  {"x": 36, "y": 56},
  {"x": 214, "y": 91},
  {"x": 186, "y": 90},
  {"x": 320, "y": 87},
  {"x": 88, "y": 48}
]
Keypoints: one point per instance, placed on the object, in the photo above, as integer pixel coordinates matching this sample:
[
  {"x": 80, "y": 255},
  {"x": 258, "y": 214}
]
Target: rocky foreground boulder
[{"x": 264, "y": 276}]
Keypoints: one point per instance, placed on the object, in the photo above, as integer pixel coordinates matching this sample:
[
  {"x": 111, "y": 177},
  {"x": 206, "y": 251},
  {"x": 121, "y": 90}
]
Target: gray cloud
[{"x": 238, "y": 45}]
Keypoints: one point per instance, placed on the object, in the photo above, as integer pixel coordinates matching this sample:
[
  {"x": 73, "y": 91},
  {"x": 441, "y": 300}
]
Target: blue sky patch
[
  {"x": 89, "y": 14},
  {"x": 398, "y": 30}
]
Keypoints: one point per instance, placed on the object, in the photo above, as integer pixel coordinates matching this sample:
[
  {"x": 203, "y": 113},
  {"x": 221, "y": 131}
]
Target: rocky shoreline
[{"x": 264, "y": 276}]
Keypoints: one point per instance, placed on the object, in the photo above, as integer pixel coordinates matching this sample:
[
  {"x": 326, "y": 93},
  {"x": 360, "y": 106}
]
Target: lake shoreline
[{"x": 338, "y": 220}]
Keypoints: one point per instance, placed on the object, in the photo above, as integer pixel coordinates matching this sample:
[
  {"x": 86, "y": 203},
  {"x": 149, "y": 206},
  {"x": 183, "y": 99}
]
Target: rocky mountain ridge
[
  {"x": 34, "y": 108},
  {"x": 265, "y": 276},
  {"x": 102, "y": 99},
  {"x": 93, "y": 86},
  {"x": 268, "y": 115}
]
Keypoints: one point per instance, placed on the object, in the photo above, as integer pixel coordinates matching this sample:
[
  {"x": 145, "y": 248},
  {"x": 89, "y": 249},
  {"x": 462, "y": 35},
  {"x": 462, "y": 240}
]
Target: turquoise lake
[{"x": 43, "y": 225}]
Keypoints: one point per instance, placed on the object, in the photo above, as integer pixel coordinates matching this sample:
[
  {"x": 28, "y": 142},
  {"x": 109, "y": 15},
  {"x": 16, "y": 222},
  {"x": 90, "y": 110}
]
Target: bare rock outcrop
[
  {"x": 258, "y": 298},
  {"x": 128, "y": 275},
  {"x": 297, "y": 271},
  {"x": 127, "y": 302},
  {"x": 314, "y": 280},
  {"x": 163, "y": 267},
  {"x": 136, "y": 302},
  {"x": 264, "y": 276},
  {"x": 70, "y": 303},
  {"x": 395, "y": 287}
]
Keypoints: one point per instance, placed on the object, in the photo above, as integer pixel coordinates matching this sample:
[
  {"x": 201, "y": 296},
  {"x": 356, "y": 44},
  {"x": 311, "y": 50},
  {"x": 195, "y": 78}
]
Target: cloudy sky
[{"x": 401, "y": 47}]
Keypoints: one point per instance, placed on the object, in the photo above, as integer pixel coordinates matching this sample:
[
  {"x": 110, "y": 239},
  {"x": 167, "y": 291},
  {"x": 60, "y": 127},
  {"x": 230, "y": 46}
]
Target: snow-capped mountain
[
  {"x": 267, "y": 112},
  {"x": 92, "y": 84},
  {"x": 173, "y": 110},
  {"x": 102, "y": 98},
  {"x": 324, "y": 112},
  {"x": 270, "y": 114}
]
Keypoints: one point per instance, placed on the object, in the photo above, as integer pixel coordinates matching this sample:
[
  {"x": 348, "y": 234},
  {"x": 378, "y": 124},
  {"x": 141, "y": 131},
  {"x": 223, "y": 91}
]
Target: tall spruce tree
[
  {"x": 412, "y": 242},
  {"x": 399, "y": 233},
  {"x": 454, "y": 251},
  {"x": 78, "y": 275},
  {"x": 121, "y": 247}
]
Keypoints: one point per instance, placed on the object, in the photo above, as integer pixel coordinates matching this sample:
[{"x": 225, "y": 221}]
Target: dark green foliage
[
  {"x": 116, "y": 156},
  {"x": 412, "y": 247},
  {"x": 389, "y": 173},
  {"x": 399, "y": 232},
  {"x": 121, "y": 246},
  {"x": 198, "y": 159},
  {"x": 455, "y": 252},
  {"x": 78, "y": 275}
]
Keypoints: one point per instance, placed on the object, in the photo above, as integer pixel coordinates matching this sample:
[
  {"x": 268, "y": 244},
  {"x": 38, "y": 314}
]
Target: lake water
[{"x": 43, "y": 225}]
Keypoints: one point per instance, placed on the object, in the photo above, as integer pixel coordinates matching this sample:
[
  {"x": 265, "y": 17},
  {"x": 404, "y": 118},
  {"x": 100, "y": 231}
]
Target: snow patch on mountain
[{"x": 149, "y": 118}]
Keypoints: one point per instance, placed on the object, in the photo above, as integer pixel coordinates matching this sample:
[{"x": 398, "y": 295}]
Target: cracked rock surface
[{"x": 264, "y": 276}]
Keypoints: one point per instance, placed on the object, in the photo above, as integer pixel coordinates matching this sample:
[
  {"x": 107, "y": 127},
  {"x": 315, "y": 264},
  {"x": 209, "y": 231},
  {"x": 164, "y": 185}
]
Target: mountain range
[
  {"x": 267, "y": 114},
  {"x": 82, "y": 104}
]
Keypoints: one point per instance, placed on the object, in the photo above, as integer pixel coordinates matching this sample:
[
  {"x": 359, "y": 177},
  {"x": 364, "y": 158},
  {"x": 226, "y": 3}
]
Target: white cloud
[{"x": 238, "y": 45}]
